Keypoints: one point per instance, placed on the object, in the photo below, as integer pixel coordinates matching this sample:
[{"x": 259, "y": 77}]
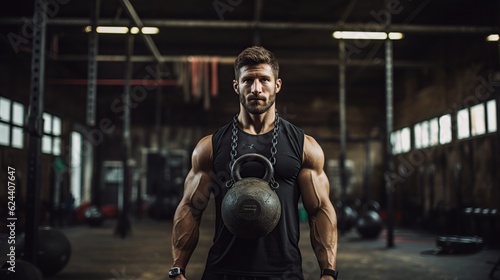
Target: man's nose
[{"x": 256, "y": 87}]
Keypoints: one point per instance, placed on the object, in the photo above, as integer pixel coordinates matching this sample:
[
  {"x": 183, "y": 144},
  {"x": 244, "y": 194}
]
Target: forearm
[
  {"x": 323, "y": 226},
  {"x": 185, "y": 235}
]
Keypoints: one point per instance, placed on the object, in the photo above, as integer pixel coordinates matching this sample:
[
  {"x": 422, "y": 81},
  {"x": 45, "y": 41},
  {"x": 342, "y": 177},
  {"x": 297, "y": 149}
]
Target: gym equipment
[
  {"x": 457, "y": 244},
  {"x": 369, "y": 224},
  {"x": 251, "y": 208},
  {"x": 23, "y": 271},
  {"x": 93, "y": 216},
  {"x": 372, "y": 205},
  {"x": 54, "y": 250},
  {"x": 346, "y": 217}
]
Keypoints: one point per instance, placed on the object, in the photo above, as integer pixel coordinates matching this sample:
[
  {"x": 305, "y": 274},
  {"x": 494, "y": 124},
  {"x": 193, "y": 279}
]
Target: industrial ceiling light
[
  {"x": 122, "y": 30},
  {"x": 362, "y": 35},
  {"x": 150, "y": 30},
  {"x": 395, "y": 35},
  {"x": 493, "y": 38},
  {"x": 111, "y": 29}
]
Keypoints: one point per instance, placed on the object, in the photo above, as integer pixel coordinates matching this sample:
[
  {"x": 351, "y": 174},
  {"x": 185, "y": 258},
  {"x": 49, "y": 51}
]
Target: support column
[
  {"x": 389, "y": 165},
  {"x": 35, "y": 131},
  {"x": 91, "y": 97},
  {"x": 124, "y": 225},
  {"x": 342, "y": 120}
]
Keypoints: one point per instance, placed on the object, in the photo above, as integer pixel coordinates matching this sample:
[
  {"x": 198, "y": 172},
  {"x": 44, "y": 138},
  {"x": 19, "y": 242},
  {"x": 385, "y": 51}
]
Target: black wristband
[
  {"x": 176, "y": 271},
  {"x": 330, "y": 272}
]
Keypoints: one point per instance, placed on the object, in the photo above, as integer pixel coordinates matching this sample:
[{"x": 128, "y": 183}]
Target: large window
[
  {"x": 477, "y": 120},
  {"x": 11, "y": 123},
  {"x": 51, "y": 140},
  {"x": 433, "y": 132}
]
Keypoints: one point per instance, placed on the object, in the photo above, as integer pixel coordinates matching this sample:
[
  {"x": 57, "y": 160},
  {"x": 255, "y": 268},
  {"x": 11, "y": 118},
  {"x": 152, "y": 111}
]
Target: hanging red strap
[
  {"x": 194, "y": 77},
  {"x": 215, "y": 79}
]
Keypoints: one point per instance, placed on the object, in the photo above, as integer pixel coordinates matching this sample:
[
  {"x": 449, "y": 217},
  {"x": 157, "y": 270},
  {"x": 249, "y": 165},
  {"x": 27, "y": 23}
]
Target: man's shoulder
[
  {"x": 222, "y": 129},
  {"x": 204, "y": 143},
  {"x": 290, "y": 126},
  {"x": 312, "y": 150}
]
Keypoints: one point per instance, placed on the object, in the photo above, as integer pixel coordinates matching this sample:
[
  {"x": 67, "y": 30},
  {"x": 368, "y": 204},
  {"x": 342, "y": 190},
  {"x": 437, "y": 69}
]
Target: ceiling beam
[
  {"x": 371, "y": 26},
  {"x": 230, "y": 60},
  {"x": 138, "y": 23},
  {"x": 113, "y": 82}
]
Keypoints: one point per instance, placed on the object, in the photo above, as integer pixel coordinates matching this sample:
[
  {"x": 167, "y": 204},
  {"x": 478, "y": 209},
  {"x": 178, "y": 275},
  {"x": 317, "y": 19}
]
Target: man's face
[{"x": 257, "y": 88}]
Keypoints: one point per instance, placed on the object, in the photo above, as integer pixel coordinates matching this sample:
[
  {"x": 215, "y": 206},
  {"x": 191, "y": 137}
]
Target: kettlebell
[{"x": 251, "y": 208}]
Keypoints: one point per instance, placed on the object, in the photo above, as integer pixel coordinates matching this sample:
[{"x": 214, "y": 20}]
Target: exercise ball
[
  {"x": 347, "y": 217},
  {"x": 372, "y": 205},
  {"x": 54, "y": 250},
  {"x": 369, "y": 224},
  {"x": 93, "y": 216}
]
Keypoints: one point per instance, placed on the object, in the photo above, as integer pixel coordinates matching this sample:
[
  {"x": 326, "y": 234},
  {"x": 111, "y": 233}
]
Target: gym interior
[{"x": 103, "y": 102}]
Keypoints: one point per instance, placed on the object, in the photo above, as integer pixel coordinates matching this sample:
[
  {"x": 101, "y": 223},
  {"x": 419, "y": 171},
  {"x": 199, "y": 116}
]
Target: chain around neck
[{"x": 274, "y": 150}]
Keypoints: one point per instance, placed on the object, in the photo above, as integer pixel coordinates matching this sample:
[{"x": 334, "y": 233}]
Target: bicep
[
  {"x": 314, "y": 188},
  {"x": 198, "y": 184},
  {"x": 197, "y": 190},
  {"x": 313, "y": 182}
]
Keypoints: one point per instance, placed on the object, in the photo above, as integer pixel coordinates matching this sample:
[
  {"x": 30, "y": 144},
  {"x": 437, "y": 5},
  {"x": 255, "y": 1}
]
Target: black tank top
[{"x": 277, "y": 253}]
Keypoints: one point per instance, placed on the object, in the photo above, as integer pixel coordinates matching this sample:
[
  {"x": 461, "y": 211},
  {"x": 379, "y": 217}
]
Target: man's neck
[{"x": 256, "y": 124}]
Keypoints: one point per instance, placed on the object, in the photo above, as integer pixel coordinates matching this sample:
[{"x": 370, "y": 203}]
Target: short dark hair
[{"x": 255, "y": 55}]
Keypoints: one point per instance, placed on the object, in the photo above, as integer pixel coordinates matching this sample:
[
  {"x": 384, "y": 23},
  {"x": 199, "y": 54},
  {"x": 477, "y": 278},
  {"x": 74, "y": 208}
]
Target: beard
[{"x": 254, "y": 106}]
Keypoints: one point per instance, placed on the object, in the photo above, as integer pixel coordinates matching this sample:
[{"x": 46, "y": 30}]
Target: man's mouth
[{"x": 256, "y": 99}]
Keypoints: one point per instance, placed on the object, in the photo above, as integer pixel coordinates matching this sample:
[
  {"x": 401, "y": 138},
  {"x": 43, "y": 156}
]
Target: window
[
  {"x": 11, "y": 123},
  {"x": 434, "y": 132},
  {"x": 491, "y": 109},
  {"x": 395, "y": 142},
  {"x": 477, "y": 119},
  {"x": 445, "y": 129},
  {"x": 405, "y": 140},
  {"x": 400, "y": 140},
  {"x": 5, "y": 105},
  {"x": 76, "y": 166},
  {"x": 51, "y": 139},
  {"x": 463, "y": 130},
  {"x": 417, "y": 129},
  {"x": 425, "y": 134}
]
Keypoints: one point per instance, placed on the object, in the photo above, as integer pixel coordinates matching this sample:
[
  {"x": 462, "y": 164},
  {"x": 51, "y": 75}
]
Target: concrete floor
[{"x": 98, "y": 254}]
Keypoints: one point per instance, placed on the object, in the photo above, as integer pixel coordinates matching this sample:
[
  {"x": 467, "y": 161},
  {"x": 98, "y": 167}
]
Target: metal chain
[
  {"x": 274, "y": 184},
  {"x": 234, "y": 144},
  {"x": 234, "y": 141}
]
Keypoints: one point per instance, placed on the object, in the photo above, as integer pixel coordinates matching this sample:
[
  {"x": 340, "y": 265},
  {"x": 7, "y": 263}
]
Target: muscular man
[{"x": 298, "y": 164}]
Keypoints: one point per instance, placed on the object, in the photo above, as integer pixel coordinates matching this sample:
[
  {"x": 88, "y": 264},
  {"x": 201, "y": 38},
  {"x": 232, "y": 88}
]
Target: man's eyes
[{"x": 261, "y": 80}]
